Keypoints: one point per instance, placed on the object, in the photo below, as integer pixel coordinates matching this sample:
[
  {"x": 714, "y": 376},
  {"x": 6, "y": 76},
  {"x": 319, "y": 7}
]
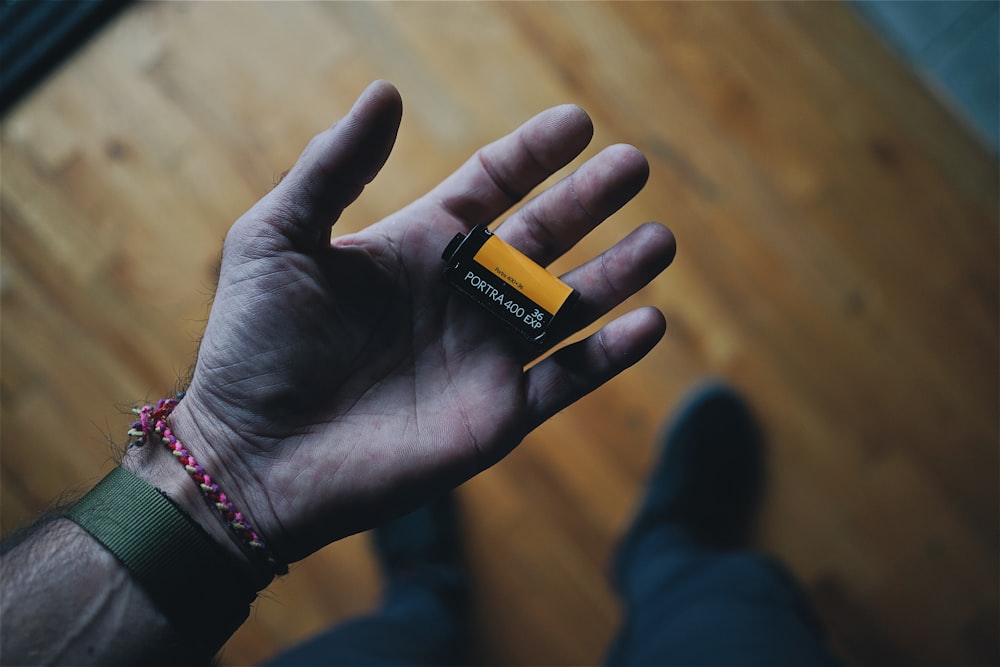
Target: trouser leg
[
  {"x": 423, "y": 618},
  {"x": 686, "y": 604},
  {"x": 415, "y": 626}
]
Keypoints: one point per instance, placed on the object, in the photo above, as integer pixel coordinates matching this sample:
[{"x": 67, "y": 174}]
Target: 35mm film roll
[{"x": 508, "y": 284}]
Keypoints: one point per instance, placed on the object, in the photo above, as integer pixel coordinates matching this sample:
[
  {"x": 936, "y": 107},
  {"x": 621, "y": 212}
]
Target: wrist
[
  {"x": 155, "y": 465},
  {"x": 154, "y": 462}
]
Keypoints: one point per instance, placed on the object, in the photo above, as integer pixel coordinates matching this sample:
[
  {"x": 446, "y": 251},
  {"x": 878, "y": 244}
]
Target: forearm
[{"x": 67, "y": 599}]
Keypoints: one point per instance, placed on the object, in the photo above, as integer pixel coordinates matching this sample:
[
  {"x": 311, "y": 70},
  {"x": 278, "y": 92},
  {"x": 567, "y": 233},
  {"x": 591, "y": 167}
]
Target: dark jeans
[
  {"x": 687, "y": 605},
  {"x": 412, "y": 627},
  {"x": 683, "y": 605}
]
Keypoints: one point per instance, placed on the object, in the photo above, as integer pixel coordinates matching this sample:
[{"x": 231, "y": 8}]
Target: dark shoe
[
  {"x": 709, "y": 476},
  {"x": 424, "y": 548}
]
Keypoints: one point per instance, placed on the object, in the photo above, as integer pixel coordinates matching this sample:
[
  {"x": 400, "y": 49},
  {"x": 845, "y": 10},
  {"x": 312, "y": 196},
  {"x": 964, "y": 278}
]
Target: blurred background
[{"x": 832, "y": 181}]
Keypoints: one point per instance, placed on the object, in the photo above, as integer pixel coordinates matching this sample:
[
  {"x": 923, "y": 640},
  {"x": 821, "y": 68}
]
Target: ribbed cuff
[{"x": 187, "y": 575}]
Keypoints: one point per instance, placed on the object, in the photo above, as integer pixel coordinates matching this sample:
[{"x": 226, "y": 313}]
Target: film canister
[{"x": 508, "y": 284}]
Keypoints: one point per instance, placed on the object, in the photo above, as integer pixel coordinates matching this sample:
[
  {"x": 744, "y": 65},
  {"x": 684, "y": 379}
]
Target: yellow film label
[{"x": 521, "y": 273}]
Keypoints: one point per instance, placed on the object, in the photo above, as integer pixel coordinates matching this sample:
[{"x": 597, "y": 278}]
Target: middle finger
[{"x": 553, "y": 222}]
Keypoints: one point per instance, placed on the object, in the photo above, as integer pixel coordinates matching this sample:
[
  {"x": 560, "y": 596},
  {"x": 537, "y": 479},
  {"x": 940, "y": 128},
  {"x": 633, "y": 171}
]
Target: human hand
[{"x": 340, "y": 383}]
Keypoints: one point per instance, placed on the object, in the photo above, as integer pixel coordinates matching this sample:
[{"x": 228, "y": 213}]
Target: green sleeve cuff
[{"x": 187, "y": 575}]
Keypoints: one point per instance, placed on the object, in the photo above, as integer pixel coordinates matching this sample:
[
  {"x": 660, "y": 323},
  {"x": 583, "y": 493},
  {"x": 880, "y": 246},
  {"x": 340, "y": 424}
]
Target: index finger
[{"x": 500, "y": 174}]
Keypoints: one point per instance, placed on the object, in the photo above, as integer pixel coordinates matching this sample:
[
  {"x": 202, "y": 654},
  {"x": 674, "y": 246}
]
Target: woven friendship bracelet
[{"x": 151, "y": 426}]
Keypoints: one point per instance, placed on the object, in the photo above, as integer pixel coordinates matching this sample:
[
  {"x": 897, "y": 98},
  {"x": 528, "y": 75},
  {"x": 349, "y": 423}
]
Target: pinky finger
[{"x": 578, "y": 369}]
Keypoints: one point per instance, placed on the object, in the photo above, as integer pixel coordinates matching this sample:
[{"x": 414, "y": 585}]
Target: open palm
[{"x": 339, "y": 383}]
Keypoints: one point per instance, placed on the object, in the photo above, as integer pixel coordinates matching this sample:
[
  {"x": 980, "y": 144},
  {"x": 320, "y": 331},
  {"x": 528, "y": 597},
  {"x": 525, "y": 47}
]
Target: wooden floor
[{"x": 838, "y": 261}]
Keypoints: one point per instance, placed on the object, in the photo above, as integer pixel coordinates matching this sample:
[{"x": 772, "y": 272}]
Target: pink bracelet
[{"x": 152, "y": 422}]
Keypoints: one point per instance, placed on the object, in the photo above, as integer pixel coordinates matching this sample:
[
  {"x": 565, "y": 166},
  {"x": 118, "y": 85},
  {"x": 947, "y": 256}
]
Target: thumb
[{"x": 336, "y": 166}]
